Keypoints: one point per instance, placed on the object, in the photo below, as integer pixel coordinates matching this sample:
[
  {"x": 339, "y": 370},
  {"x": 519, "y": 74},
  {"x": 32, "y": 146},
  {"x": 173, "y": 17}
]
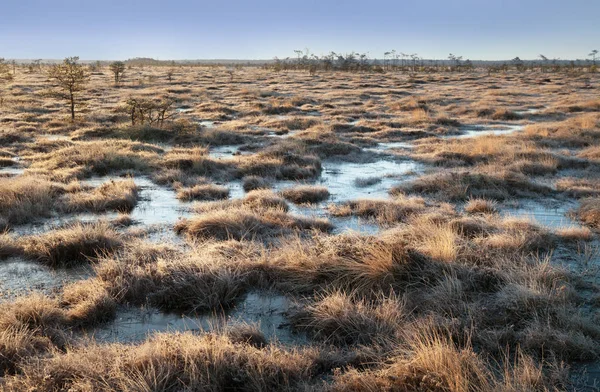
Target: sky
[{"x": 264, "y": 29}]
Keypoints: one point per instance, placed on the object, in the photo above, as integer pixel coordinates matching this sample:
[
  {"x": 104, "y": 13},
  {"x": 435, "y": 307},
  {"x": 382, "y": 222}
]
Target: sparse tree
[
  {"x": 149, "y": 111},
  {"x": 70, "y": 79},
  {"x": 593, "y": 54},
  {"x": 544, "y": 62},
  {"x": 518, "y": 63},
  {"x": 118, "y": 69},
  {"x": 170, "y": 74},
  {"x": 231, "y": 72},
  {"x": 35, "y": 65}
]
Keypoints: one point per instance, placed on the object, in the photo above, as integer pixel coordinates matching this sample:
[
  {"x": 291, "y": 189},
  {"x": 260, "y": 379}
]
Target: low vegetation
[
  {"x": 306, "y": 269},
  {"x": 71, "y": 246},
  {"x": 305, "y": 194}
]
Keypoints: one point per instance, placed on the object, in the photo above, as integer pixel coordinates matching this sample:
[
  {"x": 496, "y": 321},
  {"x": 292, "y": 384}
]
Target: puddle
[
  {"x": 11, "y": 170},
  {"x": 313, "y": 113},
  {"x": 282, "y": 135},
  {"x": 475, "y": 131},
  {"x": 340, "y": 177},
  {"x": 266, "y": 310},
  {"x": 157, "y": 205},
  {"x": 55, "y": 137},
  {"x": 527, "y": 111},
  {"x": 236, "y": 189},
  {"x": 20, "y": 277},
  {"x": 207, "y": 124},
  {"x": 390, "y": 145},
  {"x": 341, "y": 224},
  {"x": 224, "y": 152},
  {"x": 56, "y": 221},
  {"x": 551, "y": 217},
  {"x": 184, "y": 110},
  {"x": 157, "y": 210},
  {"x": 384, "y": 147}
]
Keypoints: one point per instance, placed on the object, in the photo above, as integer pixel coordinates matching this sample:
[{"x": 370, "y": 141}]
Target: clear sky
[{"x": 263, "y": 29}]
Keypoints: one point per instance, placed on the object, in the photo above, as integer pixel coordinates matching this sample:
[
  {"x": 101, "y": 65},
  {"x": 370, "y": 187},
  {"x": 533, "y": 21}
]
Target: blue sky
[{"x": 262, "y": 29}]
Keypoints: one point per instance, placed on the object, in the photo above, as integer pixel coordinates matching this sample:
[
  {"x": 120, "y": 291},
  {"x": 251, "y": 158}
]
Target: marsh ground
[{"x": 287, "y": 231}]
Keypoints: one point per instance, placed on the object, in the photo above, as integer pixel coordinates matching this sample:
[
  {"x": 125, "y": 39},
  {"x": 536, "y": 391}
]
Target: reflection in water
[
  {"x": 19, "y": 277},
  {"x": 552, "y": 217},
  {"x": 266, "y": 310},
  {"x": 469, "y": 132}
]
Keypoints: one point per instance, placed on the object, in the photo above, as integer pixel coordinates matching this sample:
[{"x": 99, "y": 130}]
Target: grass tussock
[
  {"x": 203, "y": 192},
  {"x": 336, "y": 318},
  {"x": 88, "y": 303},
  {"x": 255, "y": 200},
  {"x": 481, "y": 206},
  {"x": 252, "y": 183},
  {"x": 507, "y": 153},
  {"x": 71, "y": 246},
  {"x": 383, "y": 211},
  {"x": 24, "y": 198},
  {"x": 589, "y": 212},
  {"x": 462, "y": 186},
  {"x": 31, "y": 326},
  {"x": 238, "y": 224},
  {"x": 171, "y": 362},
  {"x": 435, "y": 363},
  {"x": 305, "y": 194},
  {"x": 113, "y": 195},
  {"x": 8, "y": 246}
]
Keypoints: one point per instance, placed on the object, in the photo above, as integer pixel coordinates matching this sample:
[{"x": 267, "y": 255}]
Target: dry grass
[
  {"x": 239, "y": 223},
  {"x": 589, "y": 212},
  {"x": 481, "y": 206},
  {"x": 25, "y": 198},
  {"x": 88, "y": 303},
  {"x": 71, "y": 246},
  {"x": 305, "y": 194},
  {"x": 95, "y": 158},
  {"x": 383, "y": 211},
  {"x": 30, "y": 326},
  {"x": 8, "y": 246},
  {"x": 443, "y": 299},
  {"x": 170, "y": 362},
  {"x": 459, "y": 186},
  {"x": 336, "y": 318},
  {"x": 252, "y": 183},
  {"x": 203, "y": 192},
  {"x": 113, "y": 195}
]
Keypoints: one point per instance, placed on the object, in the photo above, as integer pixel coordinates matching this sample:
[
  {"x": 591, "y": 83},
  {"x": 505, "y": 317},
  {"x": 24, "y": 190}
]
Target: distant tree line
[{"x": 412, "y": 63}]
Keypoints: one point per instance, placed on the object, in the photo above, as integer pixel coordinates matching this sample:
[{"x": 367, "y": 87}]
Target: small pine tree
[
  {"x": 118, "y": 69},
  {"x": 70, "y": 79}
]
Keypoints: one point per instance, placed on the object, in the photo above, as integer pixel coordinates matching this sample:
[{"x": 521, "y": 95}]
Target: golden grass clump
[
  {"x": 239, "y": 223},
  {"x": 305, "y": 194},
  {"x": 120, "y": 195},
  {"x": 72, "y": 245},
  {"x": 88, "y": 302},
  {"x": 383, "y": 211},
  {"x": 589, "y": 212},
  {"x": 170, "y": 362},
  {"x": 336, "y": 318},
  {"x": 203, "y": 192},
  {"x": 481, "y": 206},
  {"x": 24, "y": 198},
  {"x": 100, "y": 158}
]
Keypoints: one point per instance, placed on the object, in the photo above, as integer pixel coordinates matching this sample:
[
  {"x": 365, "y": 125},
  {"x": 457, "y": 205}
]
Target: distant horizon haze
[{"x": 264, "y": 29}]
